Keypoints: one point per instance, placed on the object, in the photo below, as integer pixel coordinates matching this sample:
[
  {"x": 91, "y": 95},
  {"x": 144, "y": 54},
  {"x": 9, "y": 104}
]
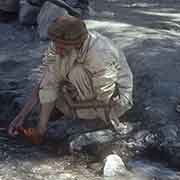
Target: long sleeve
[
  {"x": 49, "y": 84},
  {"x": 124, "y": 81},
  {"x": 110, "y": 71}
]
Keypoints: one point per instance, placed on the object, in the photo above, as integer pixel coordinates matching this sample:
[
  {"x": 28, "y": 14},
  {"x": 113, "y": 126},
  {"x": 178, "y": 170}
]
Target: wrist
[{"x": 20, "y": 117}]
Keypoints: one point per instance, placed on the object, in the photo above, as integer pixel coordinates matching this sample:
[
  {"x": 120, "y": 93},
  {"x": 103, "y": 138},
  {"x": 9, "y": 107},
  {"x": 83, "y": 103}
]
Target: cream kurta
[{"x": 96, "y": 71}]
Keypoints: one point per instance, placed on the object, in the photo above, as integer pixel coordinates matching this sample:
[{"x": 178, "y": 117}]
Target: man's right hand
[
  {"x": 19, "y": 119},
  {"x": 15, "y": 124}
]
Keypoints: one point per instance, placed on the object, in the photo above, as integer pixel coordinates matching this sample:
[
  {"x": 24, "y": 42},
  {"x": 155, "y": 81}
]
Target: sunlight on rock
[
  {"x": 124, "y": 35},
  {"x": 174, "y": 16},
  {"x": 92, "y": 24}
]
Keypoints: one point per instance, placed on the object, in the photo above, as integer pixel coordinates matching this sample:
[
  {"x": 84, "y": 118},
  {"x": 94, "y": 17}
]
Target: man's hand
[
  {"x": 15, "y": 124},
  {"x": 19, "y": 119},
  {"x": 32, "y": 135}
]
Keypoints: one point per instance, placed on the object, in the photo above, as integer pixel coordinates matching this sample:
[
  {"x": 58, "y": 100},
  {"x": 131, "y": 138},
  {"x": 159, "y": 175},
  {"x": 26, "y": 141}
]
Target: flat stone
[
  {"x": 48, "y": 13},
  {"x": 28, "y": 14}
]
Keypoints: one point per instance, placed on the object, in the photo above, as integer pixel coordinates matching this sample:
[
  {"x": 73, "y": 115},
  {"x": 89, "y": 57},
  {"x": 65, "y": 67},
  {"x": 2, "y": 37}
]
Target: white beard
[{"x": 66, "y": 63}]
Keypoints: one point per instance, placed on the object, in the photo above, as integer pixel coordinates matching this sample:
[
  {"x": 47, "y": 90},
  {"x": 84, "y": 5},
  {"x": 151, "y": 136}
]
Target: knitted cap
[{"x": 68, "y": 30}]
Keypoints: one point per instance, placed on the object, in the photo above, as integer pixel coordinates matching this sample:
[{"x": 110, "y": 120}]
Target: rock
[
  {"x": 114, "y": 166},
  {"x": 7, "y": 17},
  {"x": 72, "y": 3},
  {"x": 86, "y": 11},
  {"x": 67, "y": 176},
  {"x": 65, "y": 128},
  {"x": 151, "y": 170},
  {"x": 168, "y": 134},
  {"x": 49, "y": 12},
  {"x": 28, "y": 14},
  {"x": 84, "y": 2},
  {"x": 36, "y": 2},
  {"x": 92, "y": 138},
  {"x": 9, "y": 5}
]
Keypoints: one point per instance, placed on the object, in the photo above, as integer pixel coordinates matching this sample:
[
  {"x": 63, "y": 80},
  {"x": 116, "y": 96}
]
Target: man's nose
[{"x": 60, "y": 51}]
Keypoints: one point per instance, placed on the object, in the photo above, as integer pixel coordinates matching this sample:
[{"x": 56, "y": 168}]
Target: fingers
[
  {"x": 32, "y": 135},
  {"x": 12, "y": 130}
]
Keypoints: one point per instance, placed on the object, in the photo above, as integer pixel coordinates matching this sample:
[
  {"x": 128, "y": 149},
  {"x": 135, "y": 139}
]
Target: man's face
[{"x": 62, "y": 49}]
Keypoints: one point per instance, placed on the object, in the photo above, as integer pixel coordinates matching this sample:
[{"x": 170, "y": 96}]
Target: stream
[{"x": 20, "y": 55}]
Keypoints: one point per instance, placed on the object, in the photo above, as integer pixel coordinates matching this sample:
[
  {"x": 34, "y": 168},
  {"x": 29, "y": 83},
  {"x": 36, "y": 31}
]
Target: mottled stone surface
[
  {"x": 28, "y": 13},
  {"x": 48, "y": 13}
]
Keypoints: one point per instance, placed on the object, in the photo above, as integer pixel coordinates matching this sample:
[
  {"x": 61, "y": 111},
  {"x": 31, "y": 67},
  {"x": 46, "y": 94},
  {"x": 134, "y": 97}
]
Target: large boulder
[
  {"x": 90, "y": 139},
  {"x": 36, "y": 2},
  {"x": 28, "y": 13},
  {"x": 9, "y": 5},
  {"x": 49, "y": 12}
]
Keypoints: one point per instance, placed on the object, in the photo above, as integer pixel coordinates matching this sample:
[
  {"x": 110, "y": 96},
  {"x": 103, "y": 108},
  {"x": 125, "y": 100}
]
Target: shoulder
[{"x": 103, "y": 47}]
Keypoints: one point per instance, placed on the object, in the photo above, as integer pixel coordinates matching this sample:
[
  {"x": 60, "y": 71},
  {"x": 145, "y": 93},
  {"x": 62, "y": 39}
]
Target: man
[{"x": 83, "y": 76}]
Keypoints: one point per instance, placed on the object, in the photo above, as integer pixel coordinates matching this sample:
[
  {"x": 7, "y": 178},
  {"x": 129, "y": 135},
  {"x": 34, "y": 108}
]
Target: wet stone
[
  {"x": 48, "y": 13},
  {"x": 168, "y": 134},
  {"x": 36, "y": 2},
  {"x": 28, "y": 14},
  {"x": 97, "y": 137}
]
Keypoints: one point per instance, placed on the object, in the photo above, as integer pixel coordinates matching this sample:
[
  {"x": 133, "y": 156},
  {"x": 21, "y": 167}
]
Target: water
[{"x": 21, "y": 160}]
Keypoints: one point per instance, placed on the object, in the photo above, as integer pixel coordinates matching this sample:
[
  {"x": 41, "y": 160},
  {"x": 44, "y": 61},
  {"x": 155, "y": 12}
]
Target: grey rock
[
  {"x": 36, "y": 2},
  {"x": 28, "y": 13},
  {"x": 9, "y": 5},
  {"x": 72, "y": 3},
  {"x": 75, "y": 126},
  {"x": 151, "y": 170},
  {"x": 169, "y": 134},
  {"x": 96, "y": 137},
  {"x": 48, "y": 13}
]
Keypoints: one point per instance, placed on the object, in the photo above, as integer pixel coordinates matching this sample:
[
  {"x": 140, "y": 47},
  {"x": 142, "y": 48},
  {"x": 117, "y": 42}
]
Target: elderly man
[{"x": 84, "y": 76}]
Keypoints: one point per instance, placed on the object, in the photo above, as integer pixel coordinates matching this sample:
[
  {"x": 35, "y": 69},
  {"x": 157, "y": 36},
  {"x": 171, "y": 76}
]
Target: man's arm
[
  {"x": 45, "y": 113},
  {"x": 48, "y": 88},
  {"x": 124, "y": 82},
  {"x": 19, "y": 119},
  {"x": 46, "y": 70}
]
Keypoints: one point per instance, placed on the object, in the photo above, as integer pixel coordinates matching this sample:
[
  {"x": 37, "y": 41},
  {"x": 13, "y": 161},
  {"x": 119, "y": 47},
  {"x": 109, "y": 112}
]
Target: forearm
[
  {"x": 31, "y": 102},
  {"x": 28, "y": 107},
  {"x": 46, "y": 110},
  {"x": 45, "y": 113}
]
